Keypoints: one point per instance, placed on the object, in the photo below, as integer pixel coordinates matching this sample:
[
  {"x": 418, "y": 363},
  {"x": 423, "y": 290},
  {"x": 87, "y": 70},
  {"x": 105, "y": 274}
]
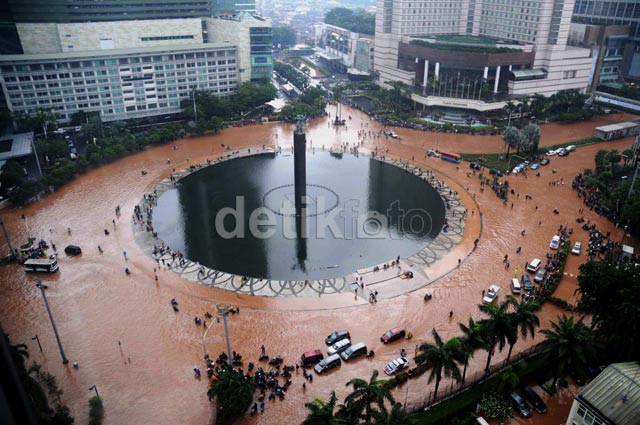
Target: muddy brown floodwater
[{"x": 151, "y": 380}]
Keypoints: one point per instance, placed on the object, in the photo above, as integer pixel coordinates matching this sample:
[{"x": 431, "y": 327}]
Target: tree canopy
[
  {"x": 611, "y": 294},
  {"x": 358, "y": 20},
  {"x": 284, "y": 36},
  {"x": 234, "y": 393}
]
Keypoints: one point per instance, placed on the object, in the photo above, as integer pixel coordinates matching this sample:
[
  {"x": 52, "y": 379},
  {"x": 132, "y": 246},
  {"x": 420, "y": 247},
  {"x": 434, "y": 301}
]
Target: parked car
[
  {"x": 535, "y": 166},
  {"x": 551, "y": 152},
  {"x": 520, "y": 405},
  {"x": 540, "y": 275},
  {"x": 577, "y": 248},
  {"x": 339, "y": 346},
  {"x": 527, "y": 285},
  {"x": 516, "y": 288},
  {"x": 555, "y": 242},
  {"x": 433, "y": 153},
  {"x": 336, "y": 336},
  {"x": 356, "y": 350},
  {"x": 475, "y": 166},
  {"x": 534, "y": 399},
  {"x": 396, "y": 366},
  {"x": 327, "y": 364},
  {"x": 392, "y": 335},
  {"x": 495, "y": 171},
  {"x": 311, "y": 357},
  {"x": 491, "y": 295},
  {"x": 563, "y": 152},
  {"x": 534, "y": 265},
  {"x": 571, "y": 148},
  {"x": 545, "y": 161}
]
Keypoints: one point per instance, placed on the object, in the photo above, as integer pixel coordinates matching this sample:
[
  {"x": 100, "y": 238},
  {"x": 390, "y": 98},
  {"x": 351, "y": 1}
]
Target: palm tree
[
  {"x": 397, "y": 416},
  {"x": 572, "y": 344},
  {"x": 472, "y": 340},
  {"x": 441, "y": 358},
  {"x": 359, "y": 404},
  {"x": 500, "y": 325},
  {"x": 524, "y": 318},
  {"x": 320, "y": 411}
]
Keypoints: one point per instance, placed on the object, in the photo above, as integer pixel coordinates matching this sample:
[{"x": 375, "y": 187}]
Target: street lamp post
[
  {"x": 95, "y": 388},
  {"x": 223, "y": 310},
  {"x": 35, "y": 338},
  {"x": 12, "y": 254},
  {"x": 42, "y": 287}
]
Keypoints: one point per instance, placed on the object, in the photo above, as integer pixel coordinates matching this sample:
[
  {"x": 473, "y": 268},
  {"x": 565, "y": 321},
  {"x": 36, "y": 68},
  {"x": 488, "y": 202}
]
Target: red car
[{"x": 392, "y": 335}]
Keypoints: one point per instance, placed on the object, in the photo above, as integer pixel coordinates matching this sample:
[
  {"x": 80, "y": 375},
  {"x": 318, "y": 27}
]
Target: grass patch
[
  {"x": 581, "y": 142},
  {"x": 527, "y": 370},
  {"x": 490, "y": 160}
]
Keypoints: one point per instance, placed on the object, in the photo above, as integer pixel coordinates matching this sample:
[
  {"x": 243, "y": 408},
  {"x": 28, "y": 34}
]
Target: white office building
[{"x": 491, "y": 48}]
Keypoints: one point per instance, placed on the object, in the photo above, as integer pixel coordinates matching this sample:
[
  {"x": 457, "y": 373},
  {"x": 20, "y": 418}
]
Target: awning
[{"x": 529, "y": 74}]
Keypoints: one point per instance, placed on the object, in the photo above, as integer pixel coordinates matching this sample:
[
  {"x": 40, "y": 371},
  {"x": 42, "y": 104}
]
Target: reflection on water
[{"x": 360, "y": 212}]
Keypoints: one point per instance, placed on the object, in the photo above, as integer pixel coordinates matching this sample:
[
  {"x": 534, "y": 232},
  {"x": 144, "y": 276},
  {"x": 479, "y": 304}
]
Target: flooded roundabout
[{"x": 128, "y": 340}]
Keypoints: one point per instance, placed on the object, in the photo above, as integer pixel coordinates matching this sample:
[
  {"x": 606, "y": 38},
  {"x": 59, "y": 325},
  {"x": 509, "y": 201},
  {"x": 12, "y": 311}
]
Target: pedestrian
[
  {"x": 304, "y": 386},
  {"x": 125, "y": 254},
  {"x": 100, "y": 249},
  {"x": 450, "y": 314},
  {"x": 262, "y": 349},
  {"x": 483, "y": 292}
]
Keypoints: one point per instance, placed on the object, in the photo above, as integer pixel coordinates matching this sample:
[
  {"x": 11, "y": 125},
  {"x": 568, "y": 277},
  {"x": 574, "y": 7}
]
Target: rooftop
[
  {"x": 15, "y": 145},
  {"x": 112, "y": 52},
  {"x": 615, "y": 393}
]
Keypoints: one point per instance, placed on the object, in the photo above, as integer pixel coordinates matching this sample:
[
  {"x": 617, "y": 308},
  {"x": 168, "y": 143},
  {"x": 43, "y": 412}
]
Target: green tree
[
  {"x": 493, "y": 405},
  {"x": 356, "y": 20},
  {"x": 500, "y": 325},
  {"x": 397, "y": 416},
  {"x": 12, "y": 174},
  {"x": 512, "y": 138},
  {"x": 524, "y": 318},
  {"x": 284, "y": 37},
  {"x": 610, "y": 293},
  {"x": 572, "y": 345},
  {"x": 321, "y": 412},
  {"x": 508, "y": 381},
  {"x": 441, "y": 358},
  {"x": 472, "y": 340},
  {"x": 366, "y": 398},
  {"x": 532, "y": 134},
  {"x": 234, "y": 394}
]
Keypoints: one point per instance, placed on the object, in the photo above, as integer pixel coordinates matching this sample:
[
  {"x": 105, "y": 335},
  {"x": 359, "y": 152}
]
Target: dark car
[
  {"x": 475, "y": 165},
  {"x": 73, "y": 250},
  {"x": 495, "y": 171},
  {"x": 520, "y": 405},
  {"x": 392, "y": 335},
  {"x": 534, "y": 399},
  {"x": 527, "y": 285},
  {"x": 336, "y": 336}
]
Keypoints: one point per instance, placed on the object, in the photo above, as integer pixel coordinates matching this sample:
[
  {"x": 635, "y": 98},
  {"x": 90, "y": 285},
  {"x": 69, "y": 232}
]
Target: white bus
[{"x": 48, "y": 265}]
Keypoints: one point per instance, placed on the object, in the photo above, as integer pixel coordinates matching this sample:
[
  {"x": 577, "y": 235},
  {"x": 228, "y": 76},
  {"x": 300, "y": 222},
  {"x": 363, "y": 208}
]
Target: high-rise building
[
  {"x": 221, "y": 7},
  {"x": 475, "y": 50},
  {"x": 619, "y": 12}
]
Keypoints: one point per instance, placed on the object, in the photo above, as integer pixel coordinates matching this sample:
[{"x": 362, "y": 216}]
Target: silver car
[{"x": 339, "y": 346}]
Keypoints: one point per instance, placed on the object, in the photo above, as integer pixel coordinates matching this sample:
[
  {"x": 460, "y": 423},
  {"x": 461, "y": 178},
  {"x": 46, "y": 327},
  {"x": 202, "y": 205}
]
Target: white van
[
  {"x": 480, "y": 421},
  {"x": 534, "y": 265},
  {"x": 516, "y": 288}
]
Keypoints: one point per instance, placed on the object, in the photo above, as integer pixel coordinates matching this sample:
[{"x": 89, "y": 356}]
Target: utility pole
[
  {"x": 195, "y": 110},
  {"x": 35, "y": 338},
  {"x": 12, "y": 254},
  {"x": 42, "y": 287},
  {"x": 223, "y": 309}
]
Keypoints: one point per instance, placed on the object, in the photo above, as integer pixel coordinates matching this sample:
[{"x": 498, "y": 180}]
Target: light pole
[
  {"x": 35, "y": 338},
  {"x": 12, "y": 254},
  {"x": 223, "y": 309},
  {"x": 42, "y": 287},
  {"x": 95, "y": 388}
]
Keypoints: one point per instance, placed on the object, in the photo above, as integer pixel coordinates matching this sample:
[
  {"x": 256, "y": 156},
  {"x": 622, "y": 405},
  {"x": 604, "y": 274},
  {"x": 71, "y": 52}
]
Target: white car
[
  {"x": 571, "y": 148},
  {"x": 339, "y": 346},
  {"x": 396, "y": 366},
  {"x": 491, "y": 294},
  {"x": 552, "y": 152},
  {"x": 577, "y": 248},
  {"x": 555, "y": 242},
  {"x": 433, "y": 153}
]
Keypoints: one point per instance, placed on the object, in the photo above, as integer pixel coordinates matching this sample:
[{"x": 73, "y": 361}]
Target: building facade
[
  {"x": 501, "y": 48},
  {"x": 619, "y": 12},
  {"x": 117, "y": 83},
  {"x": 253, "y": 36},
  {"x": 344, "y": 49}
]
